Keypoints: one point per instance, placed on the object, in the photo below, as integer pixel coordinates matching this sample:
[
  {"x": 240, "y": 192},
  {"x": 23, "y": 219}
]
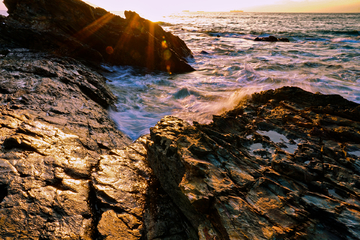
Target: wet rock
[
  {"x": 260, "y": 172},
  {"x": 271, "y": 39},
  {"x": 61, "y": 92},
  {"x": 284, "y": 164},
  {"x": 45, "y": 172},
  {"x": 121, "y": 181},
  {"x": 162, "y": 218},
  {"x": 54, "y": 129},
  {"x": 73, "y": 28}
]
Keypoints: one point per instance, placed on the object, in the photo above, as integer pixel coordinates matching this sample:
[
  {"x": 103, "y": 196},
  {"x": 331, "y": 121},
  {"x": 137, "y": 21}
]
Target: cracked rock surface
[
  {"x": 284, "y": 164},
  {"x": 55, "y": 132}
]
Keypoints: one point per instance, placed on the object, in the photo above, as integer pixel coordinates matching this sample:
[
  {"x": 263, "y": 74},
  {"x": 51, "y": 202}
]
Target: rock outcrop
[
  {"x": 73, "y": 28},
  {"x": 271, "y": 39},
  {"x": 284, "y": 164},
  {"x": 57, "y": 145}
]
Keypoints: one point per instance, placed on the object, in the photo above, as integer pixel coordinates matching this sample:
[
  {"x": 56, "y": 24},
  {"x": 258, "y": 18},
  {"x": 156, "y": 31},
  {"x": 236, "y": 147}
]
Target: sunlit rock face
[
  {"x": 73, "y": 28},
  {"x": 121, "y": 181},
  {"x": 54, "y": 132},
  {"x": 284, "y": 164}
]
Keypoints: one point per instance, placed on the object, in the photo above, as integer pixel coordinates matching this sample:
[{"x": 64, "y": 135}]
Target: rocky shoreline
[{"x": 284, "y": 164}]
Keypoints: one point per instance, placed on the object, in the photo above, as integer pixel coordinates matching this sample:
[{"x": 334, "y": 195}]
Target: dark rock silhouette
[
  {"x": 271, "y": 39},
  {"x": 73, "y": 28}
]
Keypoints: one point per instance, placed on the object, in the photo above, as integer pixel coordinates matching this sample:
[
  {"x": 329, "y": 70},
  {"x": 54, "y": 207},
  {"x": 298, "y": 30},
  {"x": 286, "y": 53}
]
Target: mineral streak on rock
[
  {"x": 300, "y": 181},
  {"x": 73, "y": 28}
]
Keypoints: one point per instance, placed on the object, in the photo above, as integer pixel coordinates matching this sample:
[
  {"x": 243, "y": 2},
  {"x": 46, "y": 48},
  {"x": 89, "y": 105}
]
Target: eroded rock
[
  {"x": 45, "y": 172},
  {"x": 121, "y": 181},
  {"x": 282, "y": 165},
  {"x": 54, "y": 129}
]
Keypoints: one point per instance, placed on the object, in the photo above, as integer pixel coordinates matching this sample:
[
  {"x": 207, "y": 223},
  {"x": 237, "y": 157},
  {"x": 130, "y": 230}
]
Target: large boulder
[{"x": 73, "y": 28}]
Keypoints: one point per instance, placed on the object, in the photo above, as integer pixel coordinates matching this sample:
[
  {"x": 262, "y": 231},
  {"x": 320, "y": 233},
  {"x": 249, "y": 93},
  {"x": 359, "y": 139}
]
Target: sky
[{"x": 166, "y": 7}]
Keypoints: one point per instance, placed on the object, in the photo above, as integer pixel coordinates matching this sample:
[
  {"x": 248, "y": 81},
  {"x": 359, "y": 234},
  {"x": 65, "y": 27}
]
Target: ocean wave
[
  {"x": 339, "y": 32},
  {"x": 274, "y": 66},
  {"x": 323, "y": 56},
  {"x": 346, "y": 40},
  {"x": 185, "y": 92},
  {"x": 223, "y": 34}
]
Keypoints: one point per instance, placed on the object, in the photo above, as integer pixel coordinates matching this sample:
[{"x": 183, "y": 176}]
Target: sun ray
[
  {"x": 136, "y": 23},
  {"x": 150, "y": 48},
  {"x": 93, "y": 27}
]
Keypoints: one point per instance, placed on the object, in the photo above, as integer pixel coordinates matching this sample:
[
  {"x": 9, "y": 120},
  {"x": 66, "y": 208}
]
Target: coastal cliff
[{"x": 283, "y": 164}]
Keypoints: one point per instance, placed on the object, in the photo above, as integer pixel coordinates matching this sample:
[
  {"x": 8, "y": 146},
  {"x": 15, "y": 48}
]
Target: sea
[{"x": 323, "y": 55}]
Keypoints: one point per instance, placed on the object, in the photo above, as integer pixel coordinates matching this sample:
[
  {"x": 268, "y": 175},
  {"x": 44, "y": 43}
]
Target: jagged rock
[
  {"x": 271, "y": 39},
  {"x": 121, "y": 181},
  {"x": 54, "y": 129},
  {"x": 73, "y": 28},
  {"x": 284, "y": 164},
  {"x": 44, "y": 174},
  {"x": 61, "y": 92}
]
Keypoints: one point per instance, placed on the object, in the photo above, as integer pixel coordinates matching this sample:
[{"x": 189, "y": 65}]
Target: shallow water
[{"x": 323, "y": 55}]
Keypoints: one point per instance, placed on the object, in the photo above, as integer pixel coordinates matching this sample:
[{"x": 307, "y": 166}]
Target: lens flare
[{"x": 109, "y": 50}]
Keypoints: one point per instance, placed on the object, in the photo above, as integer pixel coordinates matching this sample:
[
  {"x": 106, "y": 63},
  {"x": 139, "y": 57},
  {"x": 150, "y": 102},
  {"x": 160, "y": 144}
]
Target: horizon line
[{"x": 227, "y": 11}]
